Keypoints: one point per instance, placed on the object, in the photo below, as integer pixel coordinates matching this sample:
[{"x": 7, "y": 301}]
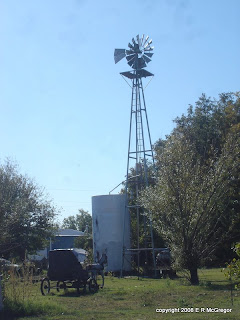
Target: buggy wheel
[
  {"x": 93, "y": 286},
  {"x": 83, "y": 287},
  {"x": 61, "y": 285},
  {"x": 45, "y": 286},
  {"x": 100, "y": 279}
]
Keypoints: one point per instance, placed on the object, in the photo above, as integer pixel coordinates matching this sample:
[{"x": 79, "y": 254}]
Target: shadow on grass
[
  {"x": 7, "y": 316},
  {"x": 73, "y": 294},
  {"x": 220, "y": 286}
]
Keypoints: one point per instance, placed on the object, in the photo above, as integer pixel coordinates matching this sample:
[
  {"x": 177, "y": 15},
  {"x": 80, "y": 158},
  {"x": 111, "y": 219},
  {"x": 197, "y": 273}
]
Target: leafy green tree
[
  {"x": 144, "y": 236},
  {"x": 26, "y": 214},
  {"x": 79, "y": 221},
  {"x": 84, "y": 242},
  {"x": 192, "y": 203},
  {"x": 206, "y": 127},
  {"x": 232, "y": 272}
]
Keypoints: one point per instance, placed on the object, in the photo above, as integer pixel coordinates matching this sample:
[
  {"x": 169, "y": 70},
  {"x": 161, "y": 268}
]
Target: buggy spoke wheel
[
  {"x": 98, "y": 276},
  {"x": 93, "y": 286},
  {"x": 83, "y": 287},
  {"x": 61, "y": 285},
  {"x": 45, "y": 286},
  {"x": 100, "y": 279}
]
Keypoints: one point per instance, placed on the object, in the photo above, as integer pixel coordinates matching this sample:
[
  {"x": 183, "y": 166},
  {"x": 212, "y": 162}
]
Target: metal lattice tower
[{"x": 140, "y": 154}]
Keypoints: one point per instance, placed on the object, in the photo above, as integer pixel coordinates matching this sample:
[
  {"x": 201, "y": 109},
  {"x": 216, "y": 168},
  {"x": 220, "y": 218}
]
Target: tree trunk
[{"x": 194, "y": 276}]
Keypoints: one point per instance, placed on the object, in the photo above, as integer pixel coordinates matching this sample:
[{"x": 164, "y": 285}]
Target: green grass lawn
[{"x": 130, "y": 298}]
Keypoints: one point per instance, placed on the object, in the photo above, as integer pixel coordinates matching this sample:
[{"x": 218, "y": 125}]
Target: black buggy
[{"x": 65, "y": 271}]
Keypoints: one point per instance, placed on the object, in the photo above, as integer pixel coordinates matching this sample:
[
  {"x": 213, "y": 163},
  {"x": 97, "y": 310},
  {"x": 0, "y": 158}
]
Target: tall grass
[
  {"x": 20, "y": 297},
  {"x": 18, "y": 288},
  {"x": 127, "y": 299}
]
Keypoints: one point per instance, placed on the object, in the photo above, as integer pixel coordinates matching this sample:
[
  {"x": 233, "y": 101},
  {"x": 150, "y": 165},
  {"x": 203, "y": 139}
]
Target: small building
[{"x": 64, "y": 239}]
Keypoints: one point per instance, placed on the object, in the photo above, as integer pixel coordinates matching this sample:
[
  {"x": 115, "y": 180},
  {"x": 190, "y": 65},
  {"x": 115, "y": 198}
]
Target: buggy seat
[
  {"x": 95, "y": 266},
  {"x": 64, "y": 265}
]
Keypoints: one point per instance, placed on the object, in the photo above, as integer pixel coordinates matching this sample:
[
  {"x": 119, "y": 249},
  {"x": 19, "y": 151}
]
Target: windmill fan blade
[
  {"x": 138, "y": 40},
  {"x": 149, "y": 54},
  {"x": 141, "y": 63},
  {"x": 142, "y": 39},
  {"x": 149, "y": 49},
  {"x": 119, "y": 54},
  {"x": 131, "y": 64},
  {"x": 146, "y": 59},
  {"x": 147, "y": 37},
  {"x": 129, "y": 52},
  {"x": 136, "y": 47},
  {"x": 130, "y": 57},
  {"x": 148, "y": 45},
  {"x": 130, "y": 46}
]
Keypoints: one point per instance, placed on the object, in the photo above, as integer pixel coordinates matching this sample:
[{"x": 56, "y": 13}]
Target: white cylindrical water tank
[{"x": 108, "y": 212}]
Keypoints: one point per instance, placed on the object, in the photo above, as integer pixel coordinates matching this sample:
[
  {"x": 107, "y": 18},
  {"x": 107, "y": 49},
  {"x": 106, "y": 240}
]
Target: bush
[{"x": 232, "y": 271}]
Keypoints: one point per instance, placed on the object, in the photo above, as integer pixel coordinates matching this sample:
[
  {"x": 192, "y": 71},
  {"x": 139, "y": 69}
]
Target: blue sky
[{"x": 64, "y": 107}]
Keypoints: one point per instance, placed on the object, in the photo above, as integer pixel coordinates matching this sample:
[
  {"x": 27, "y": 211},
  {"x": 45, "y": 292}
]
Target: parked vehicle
[
  {"x": 65, "y": 271},
  {"x": 163, "y": 259},
  {"x": 8, "y": 266}
]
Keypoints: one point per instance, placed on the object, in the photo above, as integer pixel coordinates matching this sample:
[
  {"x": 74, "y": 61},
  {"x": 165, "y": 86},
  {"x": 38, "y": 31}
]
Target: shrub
[{"x": 232, "y": 272}]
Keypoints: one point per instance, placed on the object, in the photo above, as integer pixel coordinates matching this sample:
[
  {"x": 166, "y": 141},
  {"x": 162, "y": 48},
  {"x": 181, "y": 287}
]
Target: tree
[
  {"x": 192, "y": 202},
  {"x": 207, "y": 127},
  {"x": 84, "y": 242},
  {"x": 26, "y": 214},
  {"x": 143, "y": 236},
  {"x": 79, "y": 222},
  {"x": 232, "y": 272}
]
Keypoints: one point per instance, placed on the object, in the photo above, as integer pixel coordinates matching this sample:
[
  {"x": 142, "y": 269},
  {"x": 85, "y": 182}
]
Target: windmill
[{"x": 140, "y": 154}]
